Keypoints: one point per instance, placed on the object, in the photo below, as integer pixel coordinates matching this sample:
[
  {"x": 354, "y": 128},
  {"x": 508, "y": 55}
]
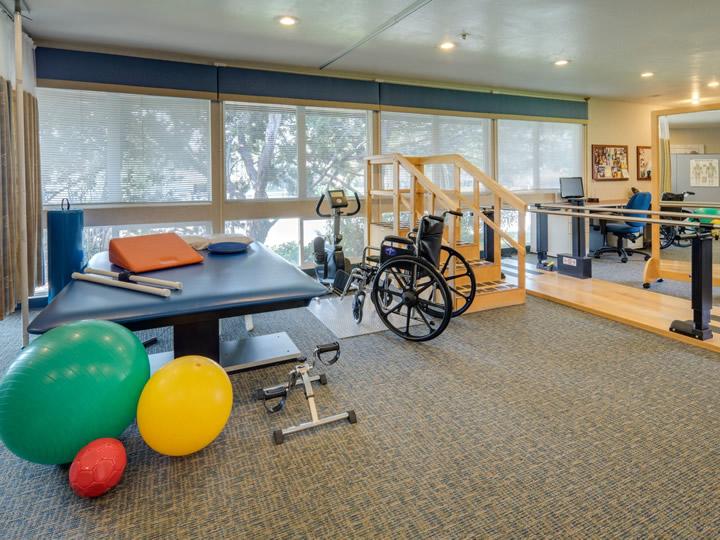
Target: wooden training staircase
[{"x": 399, "y": 192}]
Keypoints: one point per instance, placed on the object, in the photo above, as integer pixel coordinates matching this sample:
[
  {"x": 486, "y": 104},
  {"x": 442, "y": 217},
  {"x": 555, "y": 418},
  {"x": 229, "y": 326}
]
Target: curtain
[
  {"x": 664, "y": 155},
  {"x": 9, "y": 194}
]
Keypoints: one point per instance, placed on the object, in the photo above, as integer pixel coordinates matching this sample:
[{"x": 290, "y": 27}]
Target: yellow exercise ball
[{"x": 184, "y": 406}]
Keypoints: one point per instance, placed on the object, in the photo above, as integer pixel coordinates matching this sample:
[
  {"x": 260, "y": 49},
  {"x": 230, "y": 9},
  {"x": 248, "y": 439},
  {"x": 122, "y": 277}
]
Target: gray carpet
[{"x": 531, "y": 421}]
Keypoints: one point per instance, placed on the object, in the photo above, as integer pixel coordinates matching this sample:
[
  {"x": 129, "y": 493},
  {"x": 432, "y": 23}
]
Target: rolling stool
[{"x": 300, "y": 375}]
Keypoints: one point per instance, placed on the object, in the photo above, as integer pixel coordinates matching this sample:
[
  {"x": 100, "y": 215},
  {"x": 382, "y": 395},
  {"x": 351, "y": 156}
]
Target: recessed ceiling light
[
  {"x": 287, "y": 20},
  {"x": 562, "y": 62},
  {"x": 447, "y": 45},
  {"x": 647, "y": 74},
  {"x": 714, "y": 84}
]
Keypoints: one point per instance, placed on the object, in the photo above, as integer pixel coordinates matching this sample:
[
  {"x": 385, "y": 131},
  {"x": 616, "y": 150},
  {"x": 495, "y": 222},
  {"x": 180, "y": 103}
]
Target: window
[
  {"x": 102, "y": 147},
  {"x": 280, "y": 235},
  {"x": 284, "y": 152},
  {"x": 292, "y": 238},
  {"x": 422, "y": 134},
  {"x": 97, "y": 239},
  {"x": 260, "y": 152},
  {"x": 533, "y": 155},
  {"x": 352, "y": 230},
  {"x": 336, "y": 145}
]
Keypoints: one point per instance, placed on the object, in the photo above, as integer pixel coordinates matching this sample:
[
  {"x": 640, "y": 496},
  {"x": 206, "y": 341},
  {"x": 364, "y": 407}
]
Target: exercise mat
[
  {"x": 336, "y": 315},
  {"x": 65, "y": 246}
]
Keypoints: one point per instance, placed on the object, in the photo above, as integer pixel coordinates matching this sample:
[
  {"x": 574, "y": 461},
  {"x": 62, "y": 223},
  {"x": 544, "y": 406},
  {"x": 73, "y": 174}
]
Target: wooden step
[
  {"x": 493, "y": 286},
  {"x": 469, "y": 250},
  {"x": 496, "y": 294},
  {"x": 485, "y": 270},
  {"x": 480, "y": 262}
]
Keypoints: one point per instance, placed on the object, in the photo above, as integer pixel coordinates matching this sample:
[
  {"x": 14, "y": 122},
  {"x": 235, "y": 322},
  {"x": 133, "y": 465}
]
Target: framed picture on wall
[
  {"x": 610, "y": 162},
  {"x": 644, "y": 162},
  {"x": 704, "y": 173}
]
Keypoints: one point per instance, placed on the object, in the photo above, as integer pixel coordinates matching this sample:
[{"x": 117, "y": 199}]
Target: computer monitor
[{"x": 572, "y": 187}]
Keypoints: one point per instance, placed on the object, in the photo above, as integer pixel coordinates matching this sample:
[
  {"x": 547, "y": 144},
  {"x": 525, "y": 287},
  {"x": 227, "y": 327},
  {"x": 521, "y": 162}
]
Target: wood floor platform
[
  {"x": 680, "y": 271},
  {"x": 633, "y": 306}
]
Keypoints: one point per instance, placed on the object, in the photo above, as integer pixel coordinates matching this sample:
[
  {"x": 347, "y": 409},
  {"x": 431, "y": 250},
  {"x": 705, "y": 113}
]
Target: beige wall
[
  {"x": 710, "y": 137},
  {"x": 621, "y": 123}
]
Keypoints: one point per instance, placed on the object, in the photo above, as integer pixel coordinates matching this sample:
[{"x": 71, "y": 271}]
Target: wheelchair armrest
[{"x": 398, "y": 239}]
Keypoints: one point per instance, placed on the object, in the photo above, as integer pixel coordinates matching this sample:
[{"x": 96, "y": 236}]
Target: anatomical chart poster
[{"x": 704, "y": 173}]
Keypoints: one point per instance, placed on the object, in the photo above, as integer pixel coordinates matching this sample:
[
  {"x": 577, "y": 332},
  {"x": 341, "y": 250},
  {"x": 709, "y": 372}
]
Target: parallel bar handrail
[
  {"x": 610, "y": 217},
  {"x": 598, "y": 209},
  {"x": 691, "y": 204}
]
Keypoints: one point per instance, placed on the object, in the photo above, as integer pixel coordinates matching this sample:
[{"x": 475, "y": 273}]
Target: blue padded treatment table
[{"x": 224, "y": 285}]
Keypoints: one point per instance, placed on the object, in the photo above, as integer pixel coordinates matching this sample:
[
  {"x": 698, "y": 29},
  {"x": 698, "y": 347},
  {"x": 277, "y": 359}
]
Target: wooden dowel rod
[
  {"x": 121, "y": 284},
  {"x": 136, "y": 278}
]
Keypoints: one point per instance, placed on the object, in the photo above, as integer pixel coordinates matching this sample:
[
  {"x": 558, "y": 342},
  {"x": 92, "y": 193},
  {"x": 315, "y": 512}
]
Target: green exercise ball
[
  {"x": 706, "y": 211},
  {"x": 70, "y": 386}
]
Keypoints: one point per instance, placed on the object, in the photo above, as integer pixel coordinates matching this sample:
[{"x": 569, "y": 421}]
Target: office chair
[{"x": 630, "y": 230}]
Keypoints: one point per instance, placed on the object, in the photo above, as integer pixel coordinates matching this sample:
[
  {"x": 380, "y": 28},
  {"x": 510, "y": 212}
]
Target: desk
[
  {"x": 256, "y": 281},
  {"x": 560, "y": 231}
]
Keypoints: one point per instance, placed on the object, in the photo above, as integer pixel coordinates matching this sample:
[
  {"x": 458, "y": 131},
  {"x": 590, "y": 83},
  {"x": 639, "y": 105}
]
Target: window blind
[
  {"x": 534, "y": 155},
  {"x": 423, "y": 134},
  {"x": 105, "y": 148}
]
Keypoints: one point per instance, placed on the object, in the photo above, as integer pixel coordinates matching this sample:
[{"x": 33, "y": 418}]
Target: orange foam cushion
[{"x": 152, "y": 252}]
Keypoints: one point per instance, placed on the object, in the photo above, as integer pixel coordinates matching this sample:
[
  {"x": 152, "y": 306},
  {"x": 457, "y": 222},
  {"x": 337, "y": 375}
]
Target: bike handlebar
[
  {"x": 322, "y": 198},
  {"x": 357, "y": 204},
  {"x": 317, "y": 207}
]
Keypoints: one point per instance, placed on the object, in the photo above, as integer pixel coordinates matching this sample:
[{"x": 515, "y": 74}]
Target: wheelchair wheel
[
  {"x": 667, "y": 236},
  {"x": 420, "y": 305},
  {"x": 460, "y": 279},
  {"x": 357, "y": 306}
]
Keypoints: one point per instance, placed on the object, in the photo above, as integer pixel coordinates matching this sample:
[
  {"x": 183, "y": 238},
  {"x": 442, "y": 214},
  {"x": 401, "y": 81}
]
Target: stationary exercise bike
[
  {"x": 300, "y": 376},
  {"x": 331, "y": 267}
]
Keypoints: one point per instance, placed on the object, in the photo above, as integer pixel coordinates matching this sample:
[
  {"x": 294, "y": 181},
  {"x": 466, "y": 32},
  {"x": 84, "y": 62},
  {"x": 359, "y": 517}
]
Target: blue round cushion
[{"x": 228, "y": 247}]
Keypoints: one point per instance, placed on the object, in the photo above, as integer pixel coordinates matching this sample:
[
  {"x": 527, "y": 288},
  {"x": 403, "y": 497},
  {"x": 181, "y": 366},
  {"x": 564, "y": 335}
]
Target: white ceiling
[
  {"x": 700, "y": 119},
  {"x": 512, "y": 43}
]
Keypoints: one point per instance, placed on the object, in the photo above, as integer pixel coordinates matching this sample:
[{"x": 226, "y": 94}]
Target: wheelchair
[
  {"x": 679, "y": 235},
  {"x": 416, "y": 284}
]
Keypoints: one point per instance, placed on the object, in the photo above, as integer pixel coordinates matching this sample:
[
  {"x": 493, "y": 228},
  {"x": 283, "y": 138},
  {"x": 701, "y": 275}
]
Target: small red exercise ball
[{"x": 98, "y": 467}]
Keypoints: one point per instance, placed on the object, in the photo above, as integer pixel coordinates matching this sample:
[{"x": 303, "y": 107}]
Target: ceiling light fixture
[
  {"x": 562, "y": 62},
  {"x": 287, "y": 20},
  {"x": 647, "y": 74},
  {"x": 713, "y": 84},
  {"x": 447, "y": 45}
]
